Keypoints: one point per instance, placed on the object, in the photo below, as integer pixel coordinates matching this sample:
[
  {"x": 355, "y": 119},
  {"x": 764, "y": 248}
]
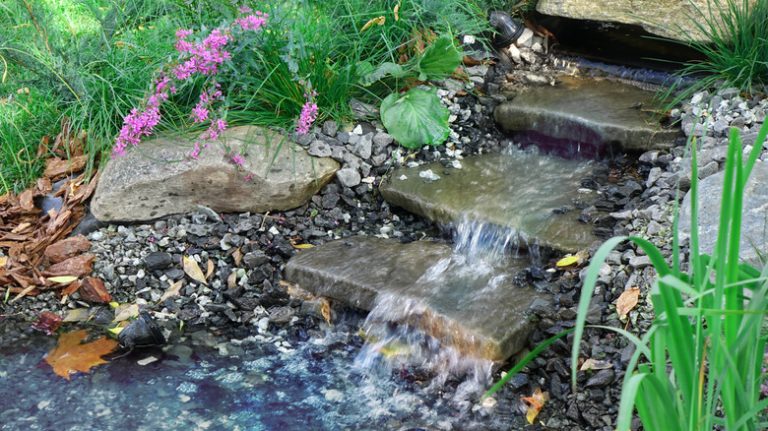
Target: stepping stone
[
  {"x": 531, "y": 194},
  {"x": 588, "y": 111},
  {"x": 484, "y": 316},
  {"x": 754, "y": 222},
  {"x": 158, "y": 178}
]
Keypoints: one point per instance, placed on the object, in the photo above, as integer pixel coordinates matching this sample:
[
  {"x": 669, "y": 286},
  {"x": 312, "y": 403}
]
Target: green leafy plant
[
  {"x": 736, "y": 53},
  {"x": 699, "y": 366},
  {"x": 416, "y": 118}
]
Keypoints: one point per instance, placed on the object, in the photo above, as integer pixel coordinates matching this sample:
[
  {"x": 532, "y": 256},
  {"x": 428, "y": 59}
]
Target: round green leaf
[{"x": 415, "y": 119}]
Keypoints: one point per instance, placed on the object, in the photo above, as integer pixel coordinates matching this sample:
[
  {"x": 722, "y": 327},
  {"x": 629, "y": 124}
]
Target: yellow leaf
[
  {"x": 302, "y": 246},
  {"x": 125, "y": 312},
  {"x": 379, "y": 20},
  {"x": 64, "y": 279},
  {"x": 116, "y": 330},
  {"x": 535, "y": 403},
  {"x": 325, "y": 310},
  {"x": 77, "y": 315},
  {"x": 211, "y": 267},
  {"x": 3, "y": 261},
  {"x": 114, "y": 304},
  {"x": 627, "y": 301},
  {"x": 192, "y": 269},
  {"x": 568, "y": 260},
  {"x": 397, "y": 12},
  {"x": 172, "y": 291}
]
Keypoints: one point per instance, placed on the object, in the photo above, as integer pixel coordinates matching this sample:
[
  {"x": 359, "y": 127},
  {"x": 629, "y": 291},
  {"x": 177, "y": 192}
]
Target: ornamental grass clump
[{"x": 700, "y": 365}]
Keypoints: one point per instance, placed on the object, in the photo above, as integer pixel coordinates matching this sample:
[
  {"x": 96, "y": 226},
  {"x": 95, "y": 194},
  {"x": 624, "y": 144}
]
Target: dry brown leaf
[
  {"x": 595, "y": 364},
  {"x": 72, "y": 288},
  {"x": 211, "y": 267},
  {"x": 232, "y": 280},
  {"x": 535, "y": 403},
  {"x": 62, "y": 279},
  {"x": 627, "y": 301},
  {"x": 379, "y": 20},
  {"x": 237, "y": 255},
  {"x": 325, "y": 310},
  {"x": 125, "y": 312},
  {"x": 3, "y": 261},
  {"x": 55, "y": 167},
  {"x": 93, "y": 290},
  {"x": 66, "y": 248},
  {"x": 294, "y": 291},
  {"x": 77, "y": 266},
  {"x": 23, "y": 293},
  {"x": 70, "y": 356},
  {"x": 172, "y": 291},
  {"x": 27, "y": 200},
  {"x": 78, "y": 315},
  {"x": 192, "y": 269}
]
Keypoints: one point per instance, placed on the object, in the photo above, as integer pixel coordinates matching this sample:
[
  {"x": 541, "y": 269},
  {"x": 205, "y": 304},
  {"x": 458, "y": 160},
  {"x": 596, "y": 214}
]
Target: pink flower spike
[
  {"x": 307, "y": 117},
  {"x": 238, "y": 159},
  {"x": 195, "y": 154},
  {"x": 251, "y": 22},
  {"x": 199, "y": 113},
  {"x": 221, "y": 125}
]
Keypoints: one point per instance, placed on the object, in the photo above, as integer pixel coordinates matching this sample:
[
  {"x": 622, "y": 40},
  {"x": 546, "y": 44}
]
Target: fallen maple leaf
[
  {"x": 535, "y": 403},
  {"x": 70, "y": 356},
  {"x": 192, "y": 269},
  {"x": 627, "y": 301}
]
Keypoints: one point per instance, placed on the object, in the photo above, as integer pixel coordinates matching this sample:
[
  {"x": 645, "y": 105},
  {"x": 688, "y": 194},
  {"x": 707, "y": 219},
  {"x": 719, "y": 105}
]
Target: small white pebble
[
  {"x": 429, "y": 175},
  {"x": 403, "y": 177},
  {"x": 146, "y": 361},
  {"x": 273, "y": 230}
]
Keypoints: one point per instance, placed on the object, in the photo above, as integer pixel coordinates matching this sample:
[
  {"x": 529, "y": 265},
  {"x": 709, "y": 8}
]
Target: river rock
[
  {"x": 529, "y": 193},
  {"x": 486, "y": 317},
  {"x": 594, "y": 112},
  {"x": 754, "y": 223},
  {"x": 674, "y": 19},
  {"x": 158, "y": 178}
]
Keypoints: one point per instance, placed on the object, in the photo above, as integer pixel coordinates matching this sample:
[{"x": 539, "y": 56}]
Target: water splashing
[{"x": 410, "y": 336}]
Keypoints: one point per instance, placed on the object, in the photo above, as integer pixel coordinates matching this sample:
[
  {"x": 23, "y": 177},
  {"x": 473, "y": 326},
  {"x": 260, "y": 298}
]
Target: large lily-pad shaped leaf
[
  {"x": 370, "y": 74},
  {"x": 440, "y": 59},
  {"x": 416, "y": 118}
]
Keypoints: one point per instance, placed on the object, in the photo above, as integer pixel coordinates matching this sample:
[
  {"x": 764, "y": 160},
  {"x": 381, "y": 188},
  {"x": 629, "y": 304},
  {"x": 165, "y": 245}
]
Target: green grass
[
  {"x": 93, "y": 60},
  {"x": 736, "y": 56}
]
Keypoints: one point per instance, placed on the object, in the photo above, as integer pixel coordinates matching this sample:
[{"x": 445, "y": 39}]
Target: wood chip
[
  {"x": 56, "y": 168},
  {"x": 67, "y": 248},
  {"x": 93, "y": 290},
  {"x": 77, "y": 266}
]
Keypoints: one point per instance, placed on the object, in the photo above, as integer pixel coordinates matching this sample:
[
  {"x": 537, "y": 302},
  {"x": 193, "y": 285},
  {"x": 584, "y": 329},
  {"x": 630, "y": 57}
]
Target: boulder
[
  {"x": 482, "y": 315},
  {"x": 754, "y": 223},
  {"x": 674, "y": 19},
  {"x": 529, "y": 193},
  {"x": 158, "y": 178},
  {"x": 588, "y": 111}
]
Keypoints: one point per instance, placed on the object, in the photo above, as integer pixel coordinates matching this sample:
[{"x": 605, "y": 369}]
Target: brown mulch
[{"x": 38, "y": 254}]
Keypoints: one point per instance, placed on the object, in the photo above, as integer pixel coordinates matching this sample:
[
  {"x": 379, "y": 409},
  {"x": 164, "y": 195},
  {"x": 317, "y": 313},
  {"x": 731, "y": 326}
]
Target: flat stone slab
[
  {"x": 532, "y": 194},
  {"x": 158, "y": 178},
  {"x": 483, "y": 315},
  {"x": 754, "y": 223},
  {"x": 674, "y": 19},
  {"x": 595, "y": 112}
]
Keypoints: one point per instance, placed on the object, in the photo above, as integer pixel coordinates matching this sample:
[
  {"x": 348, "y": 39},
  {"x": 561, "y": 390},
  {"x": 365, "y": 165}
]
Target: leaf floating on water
[
  {"x": 594, "y": 364},
  {"x": 627, "y": 301},
  {"x": 568, "y": 260},
  {"x": 192, "y": 269},
  {"x": 70, "y": 356},
  {"x": 535, "y": 403}
]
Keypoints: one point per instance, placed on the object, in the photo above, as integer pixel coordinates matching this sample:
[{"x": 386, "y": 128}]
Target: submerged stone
[
  {"x": 534, "y": 195},
  {"x": 481, "y": 314},
  {"x": 588, "y": 111},
  {"x": 754, "y": 221},
  {"x": 158, "y": 178}
]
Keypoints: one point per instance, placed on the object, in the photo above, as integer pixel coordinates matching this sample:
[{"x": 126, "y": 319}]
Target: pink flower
[
  {"x": 252, "y": 22},
  {"x": 244, "y": 9},
  {"x": 136, "y": 125},
  {"x": 199, "y": 113},
  {"x": 195, "y": 154},
  {"x": 307, "y": 117},
  {"x": 237, "y": 159},
  {"x": 214, "y": 130},
  {"x": 182, "y": 45}
]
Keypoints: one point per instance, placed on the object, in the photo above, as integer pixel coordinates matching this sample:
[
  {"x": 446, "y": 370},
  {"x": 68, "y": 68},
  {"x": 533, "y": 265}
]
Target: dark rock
[{"x": 158, "y": 260}]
